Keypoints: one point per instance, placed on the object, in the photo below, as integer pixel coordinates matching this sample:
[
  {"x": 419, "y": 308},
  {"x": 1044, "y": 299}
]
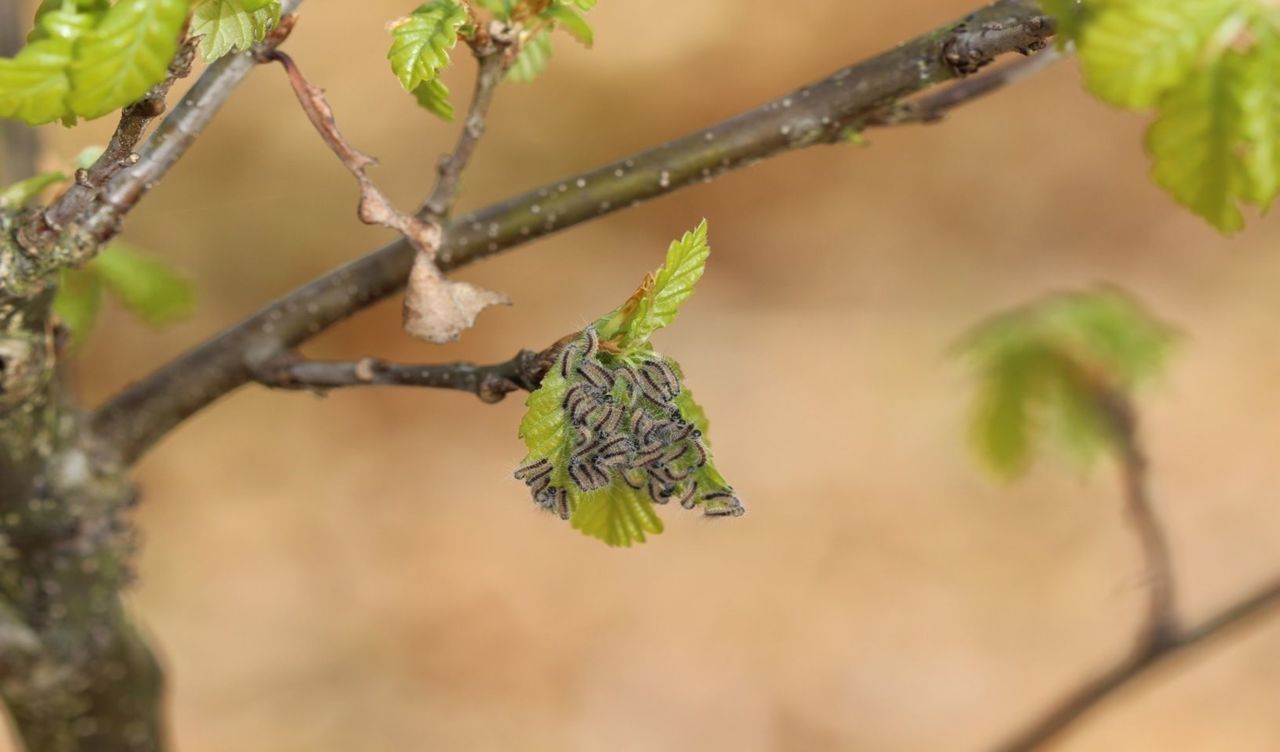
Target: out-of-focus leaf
[
  {"x": 87, "y": 156},
  {"x": 1058, "y": 367},
  {"x": 78, "y": 302},
  {"x": 1210, "y": 68},
  {"x": 572, "y": 22},
  {"x": 148, "y": 288},
  {"x": 532, "y": 59},
  {"x": 23, "y": 192}
]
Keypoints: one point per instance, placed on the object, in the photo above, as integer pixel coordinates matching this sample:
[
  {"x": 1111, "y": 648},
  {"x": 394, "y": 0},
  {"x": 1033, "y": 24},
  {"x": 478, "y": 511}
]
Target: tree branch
[
  {"x": 490, "y": 383},
  {"x": 1161, "y": 623},
  {"x": 1145, "y": 659},
  {"x": 933, "y": 107},
  {"x": 493, "y": 53},
  {"x": 133, "y": 421}
]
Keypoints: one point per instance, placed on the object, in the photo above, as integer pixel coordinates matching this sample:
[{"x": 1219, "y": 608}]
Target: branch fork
[{"x": 436, "y": 308}]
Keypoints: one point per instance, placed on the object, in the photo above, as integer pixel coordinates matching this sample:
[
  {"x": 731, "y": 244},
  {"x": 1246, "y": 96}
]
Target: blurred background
[{"x": 361, "y": 572}]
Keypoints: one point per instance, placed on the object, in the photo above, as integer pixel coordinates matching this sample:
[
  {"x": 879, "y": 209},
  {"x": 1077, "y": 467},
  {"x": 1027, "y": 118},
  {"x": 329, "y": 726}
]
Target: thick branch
[
  {"x": 1075, "y": 706},
  {"x": 490, "y": 383},
  {"x": 819, "y": 113}
]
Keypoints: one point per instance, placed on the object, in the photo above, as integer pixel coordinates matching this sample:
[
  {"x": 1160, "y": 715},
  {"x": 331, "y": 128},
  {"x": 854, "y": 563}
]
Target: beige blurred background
[{"x": 361, "y": 572}]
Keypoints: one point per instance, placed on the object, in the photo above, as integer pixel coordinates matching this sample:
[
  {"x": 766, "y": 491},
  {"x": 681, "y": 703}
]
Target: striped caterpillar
[{"x": 624, "y": 431}]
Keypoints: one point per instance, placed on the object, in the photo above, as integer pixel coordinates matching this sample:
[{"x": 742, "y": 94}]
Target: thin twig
[
  {"x": 490, "y": 383},
  {"x": 1146, "y": 658},
  {"x": 375, "y": 207},
  {"x": 436, "y": 309},
  {"x": 1161, "y": 622},
  {"x": 494, "y": 55},
  {"x": 134, "y": 420}
]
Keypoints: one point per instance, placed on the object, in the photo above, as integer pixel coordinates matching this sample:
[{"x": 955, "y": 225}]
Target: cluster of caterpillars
[{"x": 626, "y": 425}]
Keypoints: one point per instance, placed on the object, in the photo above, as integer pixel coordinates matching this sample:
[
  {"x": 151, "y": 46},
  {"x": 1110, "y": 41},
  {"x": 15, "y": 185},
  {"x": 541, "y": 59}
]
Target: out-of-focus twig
[{"x": 1149, "y": 656}]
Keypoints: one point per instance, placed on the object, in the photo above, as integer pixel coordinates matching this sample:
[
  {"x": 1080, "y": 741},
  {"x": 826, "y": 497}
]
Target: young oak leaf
[
  {"x": 657, "y": 301},
  {"x": 126, "y": 54},
  {"x": 421, "y": 41},
  {"x": 1209, "y": 68},
  {"x": 227, "y": 25},
  {"x": 532, "y": 59},
  {"x": 1132, "y": 52},
  {"x": 617, "y": 514},
  {"x": 35, "y": 83}
]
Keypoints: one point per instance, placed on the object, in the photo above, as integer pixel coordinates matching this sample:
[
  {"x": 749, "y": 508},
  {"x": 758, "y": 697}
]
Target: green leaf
[
  {"x": 1198, "y": 139},
  {"x": 1058, "y": 367},
  {"x": 1135, "y": 50},
  {"x": 1001, "y": 427},
  {"x": 1210, "y": 67},
  {"x": 1069, "y": 16},
  {"x": 78, "y": 302},
  {"x": 23, "y": 192},
  {"x": 433, "y": 96},
  {"x": 88, "y": 156},
  {"x": 573, "y": 22},
  {"x": 227, "y": 25},
  {"x": 618, "y": 515},
  {"x": 500, "y": 8},
  {"x": 35, "y": 83},
  {"x": 148, "y": 288},
  {"x": 125, "y": 55},
  {"x": 532, "y": 59},
  {"x": 544, "y": 427},
  {"x": 691, "y": 411},
  {"x": 657, "y": 302},
  {"x": 1257, "y": 70},
  {"x": 421, "y": 41}
]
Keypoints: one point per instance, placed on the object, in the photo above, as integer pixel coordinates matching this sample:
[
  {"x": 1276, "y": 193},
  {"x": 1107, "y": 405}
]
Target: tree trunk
[{"x": 74, "y": 673}]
